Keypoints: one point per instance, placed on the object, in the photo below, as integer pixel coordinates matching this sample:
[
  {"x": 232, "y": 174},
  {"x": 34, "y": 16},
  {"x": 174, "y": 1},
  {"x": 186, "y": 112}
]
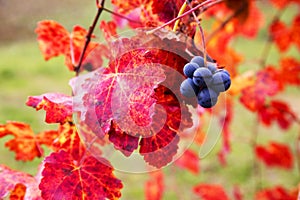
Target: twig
[
  {"x": 89, "y": 35},
  {"x": 122, "y": 16},
  {"x": 224, "y": 23},
  {"x": 267, "y": 47},
  {"x": 207, "y": 3}
]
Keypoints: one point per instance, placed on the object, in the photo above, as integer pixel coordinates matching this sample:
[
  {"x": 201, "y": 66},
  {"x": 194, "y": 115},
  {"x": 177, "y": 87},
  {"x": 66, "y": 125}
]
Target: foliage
[{"x": 126, "y": 94}]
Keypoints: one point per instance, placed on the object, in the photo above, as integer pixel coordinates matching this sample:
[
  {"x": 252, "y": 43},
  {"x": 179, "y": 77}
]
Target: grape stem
[
  {"x": 201, "y": 32},
  {"x": 205, "y": 5},
  {"x": 89, "y": 35}
]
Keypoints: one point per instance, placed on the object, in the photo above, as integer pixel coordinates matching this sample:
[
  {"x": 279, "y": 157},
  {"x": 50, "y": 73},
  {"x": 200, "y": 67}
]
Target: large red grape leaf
[
  {"x": 154, "y": 187},
  {"x": 58, "y": 106},
  {"x": 190, "y": 161},
  {"x": 69, "y": 141},
  {"x": 66, "y": 178},
  {"x": 13, "y": 182},
  {"x": 275, "y": 154},
  {"x": 210, "y": 191},
  {"x": 25, "y": 143},
  {"x": 55, "y": 40},
  {"x": 122, "y": 99},
  {"x": 276, "y": 193}
]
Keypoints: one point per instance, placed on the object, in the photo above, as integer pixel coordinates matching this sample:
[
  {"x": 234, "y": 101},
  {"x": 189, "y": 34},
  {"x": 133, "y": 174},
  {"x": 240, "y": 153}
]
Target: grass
[{"x": 23, "y": 72}]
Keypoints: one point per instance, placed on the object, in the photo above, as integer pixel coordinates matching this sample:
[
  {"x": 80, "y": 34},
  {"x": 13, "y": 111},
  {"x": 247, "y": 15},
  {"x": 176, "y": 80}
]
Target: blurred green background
[{"x": 23, "y": 73}]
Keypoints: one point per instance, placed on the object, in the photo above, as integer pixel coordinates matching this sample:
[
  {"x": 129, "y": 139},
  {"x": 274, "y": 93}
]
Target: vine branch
[{"x": 89, "y": 35}]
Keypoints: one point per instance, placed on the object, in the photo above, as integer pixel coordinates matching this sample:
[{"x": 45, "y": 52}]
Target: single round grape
[
  {"x": 220, "y": 81},
  {"x": 189, "y": 69},
  {"x": 198, "y": 60},
  {"x": 188, "y": 88},
  {"x": 207, "y": 98},
  {"x": 212, "y": 67},
  {"x": 202, "y": 77}
]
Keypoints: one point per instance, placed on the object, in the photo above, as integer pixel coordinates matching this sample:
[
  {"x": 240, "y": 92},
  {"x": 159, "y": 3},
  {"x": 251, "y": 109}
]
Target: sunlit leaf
[
  {"x": 25, "y": 143},
  {"x": 58, "y": 106},
  {"x": 275, "y": 193},
  {"x": 90, "y": 178},
  {"x": 190, "y": 161}
]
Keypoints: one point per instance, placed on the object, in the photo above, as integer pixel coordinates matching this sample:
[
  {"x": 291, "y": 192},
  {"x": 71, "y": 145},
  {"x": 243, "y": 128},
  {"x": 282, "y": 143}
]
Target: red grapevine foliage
[{"x": 133, "y": 101}]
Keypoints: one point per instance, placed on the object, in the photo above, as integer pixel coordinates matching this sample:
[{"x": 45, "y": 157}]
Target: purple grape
[
  {"x": 220, "y": 81},
  {"x": 188, "y": 88},
  {"x": 198, "y": 60},
  {"x": 189, "y": 69},
  {"x": 212, "y": 67},
  {"x": 202, "y": 77},
  {"x": 207, "y": 98}
]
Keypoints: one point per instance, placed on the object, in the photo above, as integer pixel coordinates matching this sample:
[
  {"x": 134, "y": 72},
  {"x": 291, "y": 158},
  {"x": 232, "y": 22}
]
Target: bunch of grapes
[{"x": 205, "y": 83}]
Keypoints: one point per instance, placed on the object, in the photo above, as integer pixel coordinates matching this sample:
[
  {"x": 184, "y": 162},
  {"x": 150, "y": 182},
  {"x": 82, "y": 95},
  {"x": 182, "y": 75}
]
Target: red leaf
[
  {"x": 55, "y": 40},
  {"x": 254, "y": 96},
  {"x": 64, "y": 178},
  {"x": 154, "y": 188},
  {"x": 190, "y": 161},
  {"x": 277, "y": 111},
  {"x": 210, "y": 191},
  {"x": 18, "y": 184},
  {"x": 124, "y": 98},
  {"x": 275, "y": 154},
  {"x": 289, "y": 72},
  {"x": 280, "y": 35},
  {"x": 25, "y": 143},
  {"x": 295, "y": 30},
  {"x": 275, "y": 193},
  {"x": 58, "y": 106},
  {"x": 69, "y": 141},
  {"x": 109, "y": 29}
]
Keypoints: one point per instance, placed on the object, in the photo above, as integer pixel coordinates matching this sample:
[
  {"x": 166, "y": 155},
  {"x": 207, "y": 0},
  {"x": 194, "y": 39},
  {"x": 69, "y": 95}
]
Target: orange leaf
[
  {"x": 25, "y": 143},
  {"x": 241, "y": 82},
  {"x": 154, "y": 187},
  {"x": 109, "y": 29},
  {"x": 91, "y": 178},
  {"x": 190, "y": 161},
  {"x": 18, "y": 192},
  {"x": 58, "y": 106},
  {"x": 20, "y": 185},
  {"x": 275, "y": 154},
  {"x": 69, "y": 141},
  {"x": 210, "y": 191},
  {"x": 53, "y": 39}
]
